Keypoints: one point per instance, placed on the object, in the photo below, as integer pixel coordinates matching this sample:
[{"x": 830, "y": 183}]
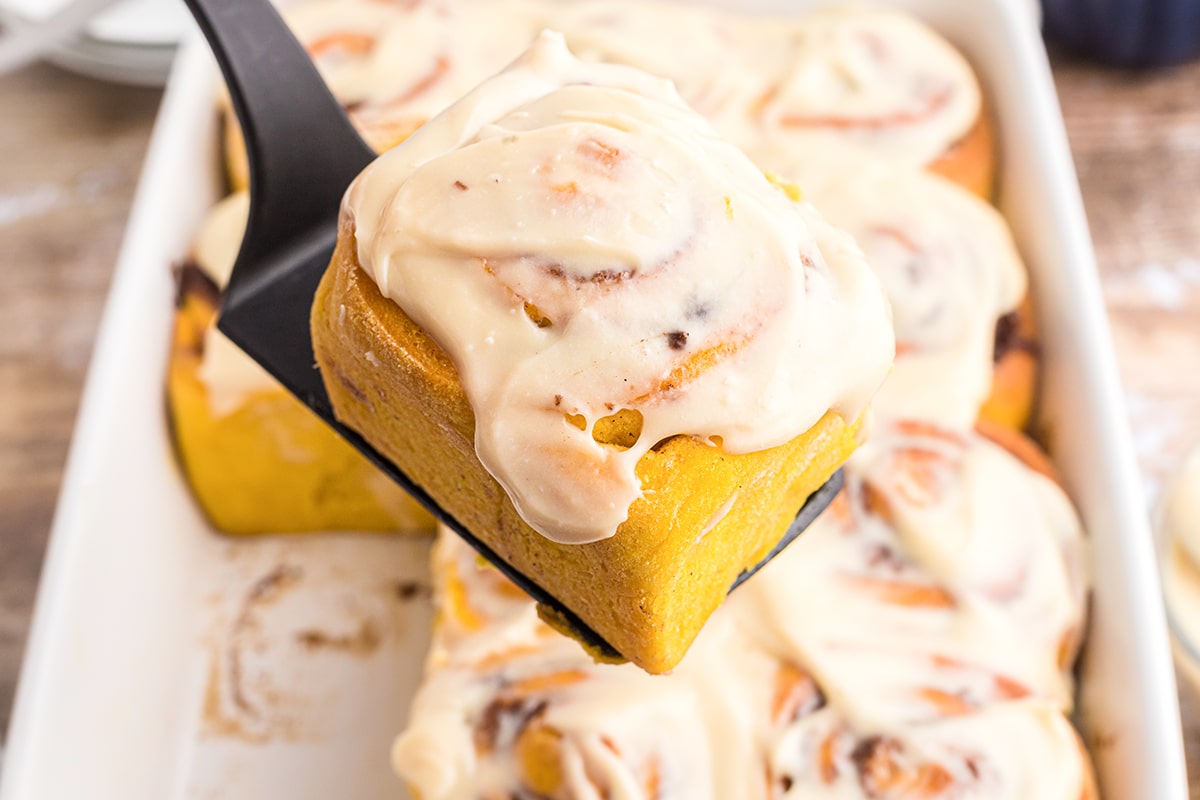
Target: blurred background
[{"x": 72, "y": 138}]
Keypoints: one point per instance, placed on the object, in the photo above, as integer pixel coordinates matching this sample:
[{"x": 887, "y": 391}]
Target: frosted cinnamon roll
[
  {"x": 955, "y": 280},
  {"x": 256, "y": 459},
  {"x": 879, "y": 80},
  {"x": 956, "y": 571},
  {"x": 601, "y": 338},
  {"x": 390, "y": 65},
  {"x": 510, "y": 708}
]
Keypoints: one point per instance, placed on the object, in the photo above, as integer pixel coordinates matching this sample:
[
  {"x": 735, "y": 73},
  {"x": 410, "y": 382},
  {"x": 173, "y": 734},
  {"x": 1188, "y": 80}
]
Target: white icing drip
[
  {"x": 230, "y": 376},
  {"x": 592, "y": 193},
  {"x": 217, "y": 241}
]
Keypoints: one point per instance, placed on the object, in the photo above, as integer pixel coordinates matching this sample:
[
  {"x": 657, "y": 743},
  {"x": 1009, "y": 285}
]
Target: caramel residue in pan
[
  {"x": 228, "y": 709},
  {"x": 363, "y": 642},
  {"x": 411, "y": 590}
]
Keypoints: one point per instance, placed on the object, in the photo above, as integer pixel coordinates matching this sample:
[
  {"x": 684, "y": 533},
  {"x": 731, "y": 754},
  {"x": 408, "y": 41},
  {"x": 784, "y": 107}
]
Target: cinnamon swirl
[
  {"x": 256, "y": 459},
  {"x": 599, "y": 337},
  {"x": 880, "y": 81}
]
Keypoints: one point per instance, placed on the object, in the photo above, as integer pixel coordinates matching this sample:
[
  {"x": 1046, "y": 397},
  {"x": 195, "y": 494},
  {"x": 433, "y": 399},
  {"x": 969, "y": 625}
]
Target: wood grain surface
[{"x": 71, "y": 149}]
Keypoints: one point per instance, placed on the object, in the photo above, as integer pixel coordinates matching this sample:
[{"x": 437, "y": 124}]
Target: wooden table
[{"x": 71, "y": 154}]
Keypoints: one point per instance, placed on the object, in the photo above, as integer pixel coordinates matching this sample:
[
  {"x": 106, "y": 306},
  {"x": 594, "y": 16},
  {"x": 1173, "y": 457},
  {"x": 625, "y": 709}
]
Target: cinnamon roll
[
  {"x": 880, "y": 81},
  {"x": 391, "y": 65},
  {"x": 256, "y": 459},
  {"x": 511, "y": 708},
  {"x": 597, "y": 335},
  {"x": 965, "y": 346},
  {"x": 957, "y": 572}
]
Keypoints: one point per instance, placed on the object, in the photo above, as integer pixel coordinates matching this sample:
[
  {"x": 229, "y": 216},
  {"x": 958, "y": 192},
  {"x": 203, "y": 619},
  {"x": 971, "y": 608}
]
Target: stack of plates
[{"x": 133, "y": 41}]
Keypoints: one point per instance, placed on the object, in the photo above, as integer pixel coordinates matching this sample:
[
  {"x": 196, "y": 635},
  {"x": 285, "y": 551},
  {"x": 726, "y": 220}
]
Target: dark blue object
[{"x": 1128, "y": 33}]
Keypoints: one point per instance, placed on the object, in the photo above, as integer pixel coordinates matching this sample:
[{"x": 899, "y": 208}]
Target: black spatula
[{"x": 303, "y": 153}]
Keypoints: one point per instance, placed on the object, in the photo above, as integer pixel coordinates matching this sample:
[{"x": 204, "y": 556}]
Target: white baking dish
[{"x": 166, "y": 662}]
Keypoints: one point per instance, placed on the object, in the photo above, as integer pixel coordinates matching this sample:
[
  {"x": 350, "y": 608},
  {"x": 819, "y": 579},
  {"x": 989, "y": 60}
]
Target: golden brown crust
[
  {"x": 1021, "y": 446},
  {"x": 648, "y": 589},
  {"x": 270, "y": 466},
  {"x": 971, "y": 161}
]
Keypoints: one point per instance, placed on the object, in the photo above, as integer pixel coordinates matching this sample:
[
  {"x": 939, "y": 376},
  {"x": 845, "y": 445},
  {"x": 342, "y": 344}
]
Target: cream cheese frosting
[
  {"x": 874, "y": 79},
  {"x": 948, "y": 264},
  {"x": 230, "y": 376},
  {"x": 581, "y": 243}
]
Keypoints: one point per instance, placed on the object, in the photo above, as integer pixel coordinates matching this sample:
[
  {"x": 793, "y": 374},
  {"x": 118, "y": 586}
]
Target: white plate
[
  {"x": 149, "y": 23},
  {"x": 132, "y": 42},
  {"x": 147, "y": 624}
]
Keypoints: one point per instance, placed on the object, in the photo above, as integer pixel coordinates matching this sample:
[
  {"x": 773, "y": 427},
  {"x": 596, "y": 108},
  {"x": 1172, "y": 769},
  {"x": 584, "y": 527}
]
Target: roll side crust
[
  {"x": 271, "y": 466},
  {"x": 1015, "y": 373},
  {"x": 648, "y": 589}
]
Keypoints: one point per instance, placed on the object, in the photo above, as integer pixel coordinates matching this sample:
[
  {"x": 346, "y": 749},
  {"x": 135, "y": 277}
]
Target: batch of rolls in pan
[{"x": 918, "y": 641}]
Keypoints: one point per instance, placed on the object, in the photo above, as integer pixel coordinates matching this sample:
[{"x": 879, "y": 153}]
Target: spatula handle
[{"x": 303, "y": 151}]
